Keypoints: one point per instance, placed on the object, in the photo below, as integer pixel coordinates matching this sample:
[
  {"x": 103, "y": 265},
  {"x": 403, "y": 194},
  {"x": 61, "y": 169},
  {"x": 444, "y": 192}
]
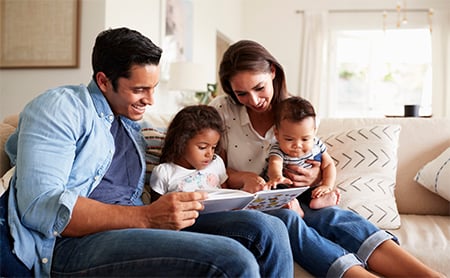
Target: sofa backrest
[
  {"x": 7, "y": 127},
  {"x": 421, "y": 140}
]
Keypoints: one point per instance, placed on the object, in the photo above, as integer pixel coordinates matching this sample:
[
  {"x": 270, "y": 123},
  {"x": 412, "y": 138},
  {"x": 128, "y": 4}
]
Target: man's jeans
[
  {"x": 10, "y": 265},
  {"x": 164, "y": 253},
  {"x": 195, "y": 253}
]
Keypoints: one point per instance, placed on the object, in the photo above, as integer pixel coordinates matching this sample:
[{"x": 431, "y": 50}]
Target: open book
[{"x": 231, "y": 199}]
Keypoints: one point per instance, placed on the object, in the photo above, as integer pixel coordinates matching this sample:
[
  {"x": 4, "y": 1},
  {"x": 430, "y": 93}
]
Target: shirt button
[
  {"x": 111, "y": 118},
  {"x": 44, "y": 260},
  {"x": 55, "y": 233},
  {"x": 96, "y": 178}
]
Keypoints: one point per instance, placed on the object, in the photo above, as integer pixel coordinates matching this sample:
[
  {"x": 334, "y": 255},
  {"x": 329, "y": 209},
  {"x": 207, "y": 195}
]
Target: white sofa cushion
[
  {"x": 426, "y": 237},
  {"x": 435, "y": 175},
  {"x": 366, "y": 163}
]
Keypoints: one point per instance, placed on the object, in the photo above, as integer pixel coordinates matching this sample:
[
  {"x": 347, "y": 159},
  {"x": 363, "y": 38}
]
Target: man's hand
[
  {"x": 176, "y": 210},
  {"x": 304, "y": 176},
  {"x": 173, "y": 211}
]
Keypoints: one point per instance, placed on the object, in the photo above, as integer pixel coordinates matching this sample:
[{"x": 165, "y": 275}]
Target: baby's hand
[
  {"x": 321, "y": 190},
  {"x": 272, "y": 183}
]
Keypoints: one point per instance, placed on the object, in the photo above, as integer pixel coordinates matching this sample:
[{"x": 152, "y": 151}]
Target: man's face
[{"x": 134, "y": 93}]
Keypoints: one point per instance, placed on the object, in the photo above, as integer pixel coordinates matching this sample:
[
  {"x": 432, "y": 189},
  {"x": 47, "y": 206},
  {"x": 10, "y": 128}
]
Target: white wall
[
  {"x": 277, "y": 25},
  {"x": 19, "y": 86}
]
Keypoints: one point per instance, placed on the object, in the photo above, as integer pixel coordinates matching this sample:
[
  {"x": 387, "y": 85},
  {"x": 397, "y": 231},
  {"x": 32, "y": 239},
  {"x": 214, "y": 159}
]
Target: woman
[{"x": 327, "y": 242}]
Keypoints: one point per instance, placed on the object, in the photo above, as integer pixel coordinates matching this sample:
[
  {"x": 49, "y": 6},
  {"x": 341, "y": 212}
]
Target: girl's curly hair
[{"x": 187, "y": 123}]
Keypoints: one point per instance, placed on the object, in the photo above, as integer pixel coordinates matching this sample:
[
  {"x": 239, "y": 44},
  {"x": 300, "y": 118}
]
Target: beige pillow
[
  {"x": 154, "y": 138},
  {"x": 435, "y": 175},
  {"x": 4, "y": 181},
  {"x": 366, "y": 162}
]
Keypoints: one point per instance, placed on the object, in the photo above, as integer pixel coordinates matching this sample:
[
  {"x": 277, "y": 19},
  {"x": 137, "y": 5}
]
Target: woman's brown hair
[{"x": 247, "y": 55}]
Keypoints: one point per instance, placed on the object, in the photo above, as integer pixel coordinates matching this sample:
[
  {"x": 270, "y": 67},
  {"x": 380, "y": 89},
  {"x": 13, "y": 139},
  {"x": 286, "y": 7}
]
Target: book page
[
  {"x": 225, "y": 193},
  {"x": 275, "y": 199},
  {"x": 231, "y": 199},
  {"x": 226, "y": 203}
]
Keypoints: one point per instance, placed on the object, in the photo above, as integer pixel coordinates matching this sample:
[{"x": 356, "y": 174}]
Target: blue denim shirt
[{"x": 61, "y": 148}]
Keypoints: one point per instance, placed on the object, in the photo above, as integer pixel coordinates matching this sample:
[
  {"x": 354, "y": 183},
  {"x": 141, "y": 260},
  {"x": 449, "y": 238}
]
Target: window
[{"x": 377, "y": 72}]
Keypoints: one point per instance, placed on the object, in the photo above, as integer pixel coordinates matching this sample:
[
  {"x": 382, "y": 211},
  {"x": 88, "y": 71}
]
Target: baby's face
[{"x": 296, "y": 138}]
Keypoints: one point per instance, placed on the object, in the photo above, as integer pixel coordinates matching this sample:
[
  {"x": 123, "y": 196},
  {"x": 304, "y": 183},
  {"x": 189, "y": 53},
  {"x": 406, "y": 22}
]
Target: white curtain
[{"x": 313, "y": 59}]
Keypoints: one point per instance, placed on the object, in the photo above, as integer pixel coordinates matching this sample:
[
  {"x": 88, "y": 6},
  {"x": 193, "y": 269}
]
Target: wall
[
  {"x": 18, "y": 86},
  {"x": 276, "y": 26},
  {"x": 279, "y": 28}
]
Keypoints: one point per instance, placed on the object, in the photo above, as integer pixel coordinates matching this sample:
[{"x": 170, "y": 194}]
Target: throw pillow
[
  {"x": 435, "y": 175},
  {"x": 366, "y": 164},
  {"x": 154, "y": 138},
  {"x": 4, "y": 181}
]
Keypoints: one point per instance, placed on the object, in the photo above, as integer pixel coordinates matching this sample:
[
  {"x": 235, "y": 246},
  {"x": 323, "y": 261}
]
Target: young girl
[{"x": 188, "y": 159}]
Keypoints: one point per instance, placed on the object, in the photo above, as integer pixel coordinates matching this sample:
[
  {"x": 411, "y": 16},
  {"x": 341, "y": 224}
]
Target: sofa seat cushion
[{"x": 427, "y": 237}]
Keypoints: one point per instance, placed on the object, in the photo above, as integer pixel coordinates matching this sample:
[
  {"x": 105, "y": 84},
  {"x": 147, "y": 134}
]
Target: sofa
[{"x": 418, "y": 217}]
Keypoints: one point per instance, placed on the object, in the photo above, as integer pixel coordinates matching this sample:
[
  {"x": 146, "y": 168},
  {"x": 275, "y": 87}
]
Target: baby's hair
[
  {"x": 293, "y": 109},
  {"x": 186, "y": 124}
]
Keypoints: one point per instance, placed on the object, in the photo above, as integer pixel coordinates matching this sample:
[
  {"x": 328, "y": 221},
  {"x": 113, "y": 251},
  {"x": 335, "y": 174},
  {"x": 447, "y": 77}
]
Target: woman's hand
[{"x": 304, "y": 176}]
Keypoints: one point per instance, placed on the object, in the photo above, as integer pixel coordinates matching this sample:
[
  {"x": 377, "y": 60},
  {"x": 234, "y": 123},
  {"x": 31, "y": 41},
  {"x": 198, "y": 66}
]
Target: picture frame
[
  {"x": 39, "y": 34},
  {"x": 176, "y": 33}
]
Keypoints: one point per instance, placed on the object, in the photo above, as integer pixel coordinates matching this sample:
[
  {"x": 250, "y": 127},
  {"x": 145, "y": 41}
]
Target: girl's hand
[{"x": 254, "y": 183}]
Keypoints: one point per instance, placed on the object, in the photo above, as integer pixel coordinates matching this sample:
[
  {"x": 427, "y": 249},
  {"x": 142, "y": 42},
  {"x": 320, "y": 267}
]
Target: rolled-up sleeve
[{"x": 54, "y": 160}]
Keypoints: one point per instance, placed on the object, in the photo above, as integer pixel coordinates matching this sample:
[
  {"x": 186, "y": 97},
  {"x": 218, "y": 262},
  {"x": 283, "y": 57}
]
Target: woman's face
[{"x": 254, "y": 89}]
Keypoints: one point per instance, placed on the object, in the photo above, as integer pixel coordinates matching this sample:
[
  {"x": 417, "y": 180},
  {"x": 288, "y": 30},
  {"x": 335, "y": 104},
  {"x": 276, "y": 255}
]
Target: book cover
[{"x": 231, "y": 199}]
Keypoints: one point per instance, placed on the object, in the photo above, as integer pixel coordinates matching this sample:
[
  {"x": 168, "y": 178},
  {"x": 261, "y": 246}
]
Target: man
[{"x": 74, "y": 205}]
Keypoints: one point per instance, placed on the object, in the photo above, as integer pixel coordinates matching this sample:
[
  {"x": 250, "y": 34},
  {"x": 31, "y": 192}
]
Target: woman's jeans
[{"x": 328, "y": 241}]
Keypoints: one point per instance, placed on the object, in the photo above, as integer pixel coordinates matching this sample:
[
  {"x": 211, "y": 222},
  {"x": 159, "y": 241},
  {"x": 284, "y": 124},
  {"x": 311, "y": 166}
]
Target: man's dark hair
[{"x": 117, "y": 50}]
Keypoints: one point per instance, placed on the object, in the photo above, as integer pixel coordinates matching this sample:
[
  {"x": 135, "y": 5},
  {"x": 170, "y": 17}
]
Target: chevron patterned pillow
[
  {"x": 366, "y": 163},
  {"x": 435, "y": 175}
]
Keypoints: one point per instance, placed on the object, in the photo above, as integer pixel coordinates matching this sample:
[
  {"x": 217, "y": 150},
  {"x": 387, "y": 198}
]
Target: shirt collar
[{"x": 100, "y": 103}]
